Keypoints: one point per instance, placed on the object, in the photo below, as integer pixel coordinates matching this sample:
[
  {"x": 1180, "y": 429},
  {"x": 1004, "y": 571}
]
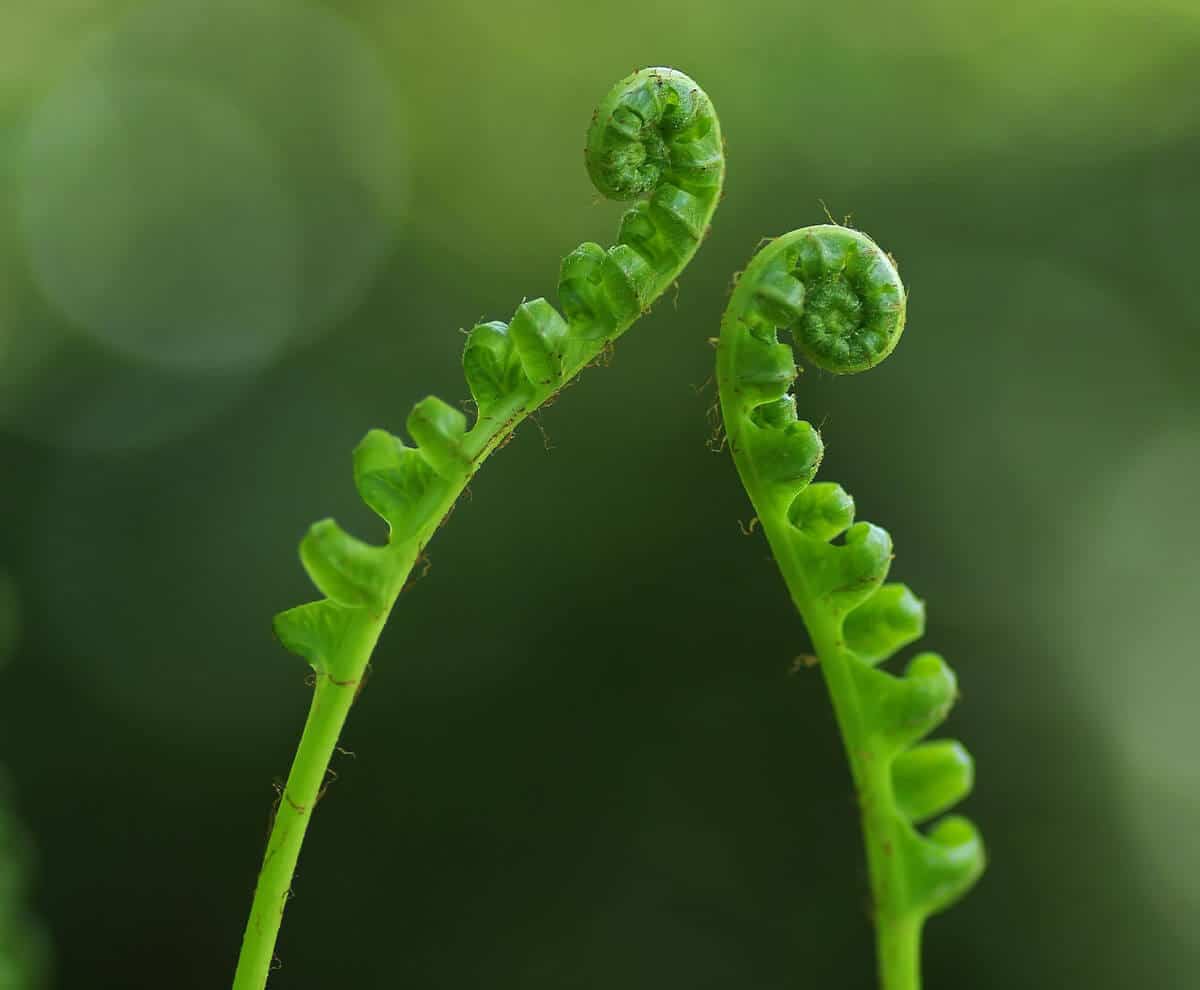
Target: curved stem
[
  {"x": 836, "y": 286},
  {"x": 897, "y": 929},
  {"x": 330, "y": 707},
  {"x": 655, "y": 135},
  {"x": 326, "y": 716}
]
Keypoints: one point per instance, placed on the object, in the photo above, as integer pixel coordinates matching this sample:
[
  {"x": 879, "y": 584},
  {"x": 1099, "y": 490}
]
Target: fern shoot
[
  {"x": 839, "y": 300},
  {"x": 654, "y": 136}
]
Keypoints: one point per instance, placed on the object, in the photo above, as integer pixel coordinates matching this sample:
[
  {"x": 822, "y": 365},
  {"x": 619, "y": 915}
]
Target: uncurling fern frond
[
  {"x": 656, "y": 139},
  {"x": 839, "y": 302}
]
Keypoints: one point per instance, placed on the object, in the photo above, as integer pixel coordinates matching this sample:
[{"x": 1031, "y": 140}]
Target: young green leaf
[
  {"x": 655, "y": 136},
  {"x": 838, "y": 303}
]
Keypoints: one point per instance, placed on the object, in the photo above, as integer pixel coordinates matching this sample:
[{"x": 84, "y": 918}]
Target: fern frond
[
  {"x": 838, "y": 301},
  {"x": 654, "y": 136}
]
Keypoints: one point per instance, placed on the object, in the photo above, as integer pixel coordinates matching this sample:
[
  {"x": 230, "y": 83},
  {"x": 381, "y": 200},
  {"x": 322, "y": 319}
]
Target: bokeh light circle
[
  {"x": 201, "y": 187},
  {"x": 1125, "y": 627},
  {"x": 317, "y": 89},
  {"x": 155, "y": 220},
  {"x": 165, "y": 567}
]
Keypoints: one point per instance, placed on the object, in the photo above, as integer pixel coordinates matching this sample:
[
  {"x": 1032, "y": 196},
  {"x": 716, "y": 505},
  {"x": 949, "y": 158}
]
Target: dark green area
[{"x": 583, "y": 759}]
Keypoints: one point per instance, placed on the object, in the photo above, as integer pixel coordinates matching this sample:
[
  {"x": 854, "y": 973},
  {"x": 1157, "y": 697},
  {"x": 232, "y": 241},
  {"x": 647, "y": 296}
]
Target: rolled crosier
[
  {"x": 654, "y": 136},
  {"x": 838, "y": 302}
]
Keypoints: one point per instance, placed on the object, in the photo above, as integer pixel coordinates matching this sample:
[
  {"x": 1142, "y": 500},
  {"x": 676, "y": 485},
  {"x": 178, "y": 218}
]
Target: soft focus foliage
[
  {"x": 561, "y": 778},
  {"x": 23, "y": 944}
]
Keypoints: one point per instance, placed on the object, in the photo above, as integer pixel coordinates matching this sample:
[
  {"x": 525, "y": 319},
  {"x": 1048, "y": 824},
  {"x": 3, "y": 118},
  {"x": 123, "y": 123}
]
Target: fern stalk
[
  {"x": 840, "y": 303},
  {"x": 654, "y": 136}
]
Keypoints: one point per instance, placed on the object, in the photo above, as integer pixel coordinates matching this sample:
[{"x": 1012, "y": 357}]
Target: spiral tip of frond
[
  {"x": 829, "y": 295},
  {"x": 854, "y": 301},
  {"x": 656, "y": 135},
  {"x": 653, "y": 125},
  {"x": 834, "y": 292}
]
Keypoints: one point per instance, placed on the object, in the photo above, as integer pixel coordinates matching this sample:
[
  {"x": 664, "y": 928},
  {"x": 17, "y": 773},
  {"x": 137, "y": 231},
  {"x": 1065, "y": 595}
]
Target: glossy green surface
[
  {"x": 582, "y": 757},
  {"x": 835, "y": 296},
  {"x": 655, "y": 134}
]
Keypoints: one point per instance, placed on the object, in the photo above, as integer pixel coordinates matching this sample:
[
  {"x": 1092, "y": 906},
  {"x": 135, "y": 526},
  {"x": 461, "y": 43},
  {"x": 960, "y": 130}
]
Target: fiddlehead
[
  {"x": 838, "y": 301},
  {"x": 655, "y": 135}
]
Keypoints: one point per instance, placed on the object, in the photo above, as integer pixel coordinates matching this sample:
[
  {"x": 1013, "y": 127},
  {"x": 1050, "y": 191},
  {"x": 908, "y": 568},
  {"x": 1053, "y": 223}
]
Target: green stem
[
  {"x": 897, "y": 929},
  {"x": 330, "y": 708},
  {"x": 331, "y": 704},
  {"x": 656, "y": 138},
  {"x": 326, "y": 716},
  {"x": 900, "y": 954},
  {"x": 332, "y": 700},
  {"x": 839, "y": 301}
]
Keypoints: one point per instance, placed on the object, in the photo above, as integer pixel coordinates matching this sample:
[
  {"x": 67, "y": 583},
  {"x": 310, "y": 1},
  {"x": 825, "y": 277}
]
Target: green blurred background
[{"x": 233, "y": 236}]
